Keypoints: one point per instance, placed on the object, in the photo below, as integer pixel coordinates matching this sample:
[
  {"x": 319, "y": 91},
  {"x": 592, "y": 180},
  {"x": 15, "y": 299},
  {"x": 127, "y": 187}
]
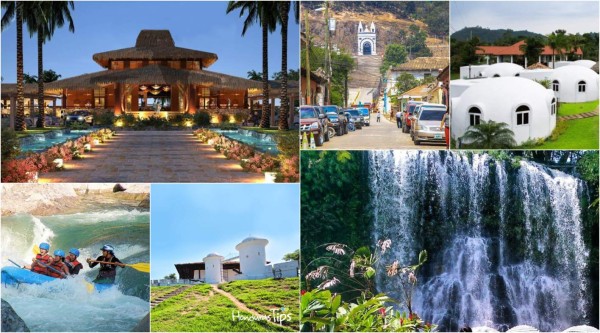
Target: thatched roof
[
  {"x": 317, "y": 75},
  {"x": 76, "y": 82},
  {"x": 233, "y": 82},
  {"x": 538, "y": 65},
  {"x": 154, "y": 74},
  {"x": 155, "y": 45},
  {"x": 30, "y": 89},
  {"x": 424, "y": 63}
]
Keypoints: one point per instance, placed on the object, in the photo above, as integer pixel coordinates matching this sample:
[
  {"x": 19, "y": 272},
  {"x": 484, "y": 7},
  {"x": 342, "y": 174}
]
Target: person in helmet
[
  {"x": 108, "y": 272},
  {"x": 41, "y": 260},
  {"x": 71, "y": 261},
  {"x": 57, "y": 267}
]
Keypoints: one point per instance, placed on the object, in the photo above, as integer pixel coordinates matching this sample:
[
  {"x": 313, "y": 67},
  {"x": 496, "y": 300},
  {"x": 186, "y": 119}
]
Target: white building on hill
[
  {"x": 367, "y": 39},
  {"x": 575, "y": 84}
]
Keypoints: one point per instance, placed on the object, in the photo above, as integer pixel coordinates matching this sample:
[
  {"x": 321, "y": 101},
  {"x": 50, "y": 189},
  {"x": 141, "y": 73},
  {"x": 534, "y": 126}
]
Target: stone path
[
  {"x": 152, "y": 157},
  {"x": 580, "y": 115},
  {"x": 382, "y": 135},
  {"x": 163, "y": 298}
]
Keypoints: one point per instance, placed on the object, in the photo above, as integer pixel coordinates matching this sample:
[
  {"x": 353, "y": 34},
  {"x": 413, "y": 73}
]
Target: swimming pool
[
  {"x": 260, "y": 141},
  {"x": 42, "y": 141}
]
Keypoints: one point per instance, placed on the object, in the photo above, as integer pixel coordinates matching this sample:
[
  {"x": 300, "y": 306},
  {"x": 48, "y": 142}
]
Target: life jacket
[
  {"x": 72, "y": 264},
  {"x": 43, "y": 259},
  {"x": 57, "y": 265}
]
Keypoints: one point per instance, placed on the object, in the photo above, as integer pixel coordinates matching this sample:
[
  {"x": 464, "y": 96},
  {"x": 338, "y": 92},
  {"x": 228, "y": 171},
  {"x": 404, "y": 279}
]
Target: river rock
[
  {"x": 143, "y": 325},
  {"x": 523, "y": 328},
  {"x": 11, "y": 322},
  {"x": 26, "y": 198}
]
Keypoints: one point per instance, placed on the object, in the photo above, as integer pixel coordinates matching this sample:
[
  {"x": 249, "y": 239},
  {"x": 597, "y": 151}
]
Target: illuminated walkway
[{"x": 153, "y": 157}]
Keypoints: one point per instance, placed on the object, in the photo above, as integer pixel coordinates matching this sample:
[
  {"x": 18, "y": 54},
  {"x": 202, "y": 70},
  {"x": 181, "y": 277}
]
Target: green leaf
[
  {"x": 370, "y": 273},
  {"x": 422, "y": 257}
]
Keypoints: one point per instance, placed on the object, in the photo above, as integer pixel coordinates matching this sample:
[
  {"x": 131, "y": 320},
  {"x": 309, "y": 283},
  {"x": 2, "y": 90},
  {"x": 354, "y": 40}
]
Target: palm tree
[
  {"x": 553, "y": 43},
  {"x": 254, "y": 75},
  {"x": 489, "y": 135},
  {"x": 532, "y": 48},
  {"x": 284, "y": 12},
  {"x": 51, "y": 15},
  {"x": 12, "y": 9},
  {"x": 263, "y": 12}
]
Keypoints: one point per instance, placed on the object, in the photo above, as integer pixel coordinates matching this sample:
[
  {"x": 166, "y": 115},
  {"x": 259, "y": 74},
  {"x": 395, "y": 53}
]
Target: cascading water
[
  {"x": 505, "y": 241},
  {"x": 117, "y": 309}
]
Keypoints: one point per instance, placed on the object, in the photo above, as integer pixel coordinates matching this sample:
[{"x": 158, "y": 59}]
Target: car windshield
[
  {"x": 332, "y": 114},
  {"x": 353, "y": 112},
  {"x": 307, "y": 113},
  {"x": 330, "y": 108},
  {"x": 432, "y": 115},
  {"x": 411, "y": 108},
  {"x": 364, "y": 111},
  {"x": 80, "y": 113}
]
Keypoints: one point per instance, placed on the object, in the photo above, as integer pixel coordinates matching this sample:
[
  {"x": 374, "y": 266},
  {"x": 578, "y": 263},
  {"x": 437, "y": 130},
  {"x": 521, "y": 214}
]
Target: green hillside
[{"x": 492, "y": 36}]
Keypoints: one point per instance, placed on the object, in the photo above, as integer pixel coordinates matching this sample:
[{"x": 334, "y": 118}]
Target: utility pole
[
  {"x": 328, "y": 56},
  {"x": 308, "y": 97}
]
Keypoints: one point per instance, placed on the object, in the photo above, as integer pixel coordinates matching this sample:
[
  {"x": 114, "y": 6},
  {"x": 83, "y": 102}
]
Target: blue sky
[
  {"x": 537, "y": 16},
  {"x": 104, "y": 26},
  {"x": 188, "y": 221}
]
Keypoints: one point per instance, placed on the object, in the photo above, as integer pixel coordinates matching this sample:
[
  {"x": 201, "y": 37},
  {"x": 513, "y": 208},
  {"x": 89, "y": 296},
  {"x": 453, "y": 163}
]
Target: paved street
[
  {"x": 152, "y": 157},
  {"x": 382, "y": 135}
]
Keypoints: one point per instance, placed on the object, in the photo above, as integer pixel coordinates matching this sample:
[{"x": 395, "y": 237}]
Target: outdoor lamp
[
  {"x": 87, "y": 147},
  {"x": 270, "y": 177},
  {"x": 58, "y": 163}
]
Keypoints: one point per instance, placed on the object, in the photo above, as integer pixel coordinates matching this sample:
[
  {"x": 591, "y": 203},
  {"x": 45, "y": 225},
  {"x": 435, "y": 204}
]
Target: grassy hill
[
  {"x": 490, "y": 36},
  {"x": 200, "y": 309}
]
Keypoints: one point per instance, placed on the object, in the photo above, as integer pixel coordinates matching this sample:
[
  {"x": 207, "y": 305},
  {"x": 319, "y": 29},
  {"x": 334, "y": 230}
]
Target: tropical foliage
[
  {"x": 395, "y": 54},
  {"x": 489, "y": 135}
]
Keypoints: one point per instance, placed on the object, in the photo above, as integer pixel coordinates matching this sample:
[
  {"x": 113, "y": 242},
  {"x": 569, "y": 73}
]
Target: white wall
[
  {"x": 252, "y": 260},
  {"x": 213, "y": 269},
  {"x": 476, "y": 71},
  {"x": 288, "y": 268}
]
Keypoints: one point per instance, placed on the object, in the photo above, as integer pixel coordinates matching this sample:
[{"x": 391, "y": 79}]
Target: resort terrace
[{"x": 154, "y": 78}]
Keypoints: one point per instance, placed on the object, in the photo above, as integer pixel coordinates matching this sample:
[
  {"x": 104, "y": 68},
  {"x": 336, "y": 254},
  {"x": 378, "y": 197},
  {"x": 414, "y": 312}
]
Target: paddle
[
  {"x": 141, "y": 266},
  {"x": 15, "y": 263},
  {"x": 36, "y": 250}
]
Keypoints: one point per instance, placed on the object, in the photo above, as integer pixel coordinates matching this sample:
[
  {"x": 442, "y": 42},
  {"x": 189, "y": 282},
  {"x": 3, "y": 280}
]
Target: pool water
[
  {"x": 39, "y": 142},
  {"x": 260, "y": 141}
]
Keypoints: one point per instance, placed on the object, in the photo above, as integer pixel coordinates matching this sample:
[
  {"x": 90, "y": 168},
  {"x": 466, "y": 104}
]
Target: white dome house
[
  {"x": 584, "y": 63},
  {"x": 502, "y": 69},
  {"x": 253, "y": 259},
  {"x": 526, "y": 106},
  {"x": 213, "y": 265},
  {"x": 575, "y": 84}
]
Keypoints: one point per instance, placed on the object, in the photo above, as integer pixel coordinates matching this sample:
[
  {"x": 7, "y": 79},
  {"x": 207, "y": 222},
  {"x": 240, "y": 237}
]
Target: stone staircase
[
  {"x": 364, "y": 79},
  {"x": 163, "y": 298}
]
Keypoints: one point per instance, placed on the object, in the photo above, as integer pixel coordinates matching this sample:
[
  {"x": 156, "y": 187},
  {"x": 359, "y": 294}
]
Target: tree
[
  {"x": 406, "y": 82},
  {"x": 254, "y": 75},
  {"x": 12, "y": 9},
  {"x": 283, "y": 15},
  {"x": 171, "y": 276},
  {"x": 532, "y": 49},
  {"x": 265, "y": 14},
  {"x": 292, "y": 256},
  {"x": 49, "y": 76},
  {"x": 553, "y": 44},
  {"x": 395, "y": 54},
  {"x": 29, "y": 78},
  {"x": 416, "y": 42},
  {"x": 489, "y": 135},
  {"x": 292, "y": 75},
  {"x": 43, "y": 19}
]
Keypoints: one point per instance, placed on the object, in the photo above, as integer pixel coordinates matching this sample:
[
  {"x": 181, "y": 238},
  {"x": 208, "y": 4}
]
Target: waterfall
[{"x": 505, "y": 241}]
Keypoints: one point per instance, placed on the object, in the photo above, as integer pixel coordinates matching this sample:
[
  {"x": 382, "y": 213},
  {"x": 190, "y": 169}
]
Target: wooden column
[
  {"x": 192, "y": 99},
  {"x": 93, "y": 100},
  {"x": 135, "y": 98},
  {"x": 118, "y": 108}
]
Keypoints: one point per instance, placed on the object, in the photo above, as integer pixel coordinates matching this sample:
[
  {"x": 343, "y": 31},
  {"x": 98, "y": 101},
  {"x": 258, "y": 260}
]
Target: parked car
[
  {"x": 338, "y": 121},
  {"x": 82, "y": 116},
  {"x": 364, "y": 112},
  {"x": 407, "y": 113},
  {"x": 356, "y": 117},
  {"x": 426, "y": 124},
  {"x": 324, "y": 120},
  {"x": 311, "y": 121}
]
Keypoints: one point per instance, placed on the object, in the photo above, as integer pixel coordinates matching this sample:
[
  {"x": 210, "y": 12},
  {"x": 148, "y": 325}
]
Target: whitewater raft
[{"x": 13, "y": 276}]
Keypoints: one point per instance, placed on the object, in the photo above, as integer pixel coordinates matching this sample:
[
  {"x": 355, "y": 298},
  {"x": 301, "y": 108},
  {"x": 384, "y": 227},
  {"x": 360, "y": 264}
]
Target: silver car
[{"x": 427, "y": 124}]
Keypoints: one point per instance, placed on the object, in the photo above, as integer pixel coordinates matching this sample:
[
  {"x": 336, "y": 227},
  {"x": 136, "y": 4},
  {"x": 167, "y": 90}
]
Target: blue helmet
[
  {"x": 109, "y": 248},
  {"x": 45, "y": 246},
  {"x": 74, "y": 251},
  {"x": 59, "y": 253}
]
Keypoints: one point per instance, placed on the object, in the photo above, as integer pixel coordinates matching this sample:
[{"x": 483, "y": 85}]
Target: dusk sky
[
  {"x": 189, "y": 221},
  {"x": 535, "y": 16},
  {"x": 104, "y": 26}
]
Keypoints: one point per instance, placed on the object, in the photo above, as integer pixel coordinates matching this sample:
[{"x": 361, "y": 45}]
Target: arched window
[
  {"x": 518, "y": 74},
  {"x": 496, "y": 75},
  {"x": 553, "y": 107},
  {"x": 581, "y": 86},
  {"x": 474, "y": 116},
  {"x": 523, "y": 115},
  {"x": 555, "y": 85}
]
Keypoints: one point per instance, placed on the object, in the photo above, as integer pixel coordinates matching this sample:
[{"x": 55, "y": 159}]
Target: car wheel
[
  {"x": 346, "y": 128},
  {"x": 319, "y": 139},
  {"x": 326, "y": 136},
  {"x": 417, "y": 142}
]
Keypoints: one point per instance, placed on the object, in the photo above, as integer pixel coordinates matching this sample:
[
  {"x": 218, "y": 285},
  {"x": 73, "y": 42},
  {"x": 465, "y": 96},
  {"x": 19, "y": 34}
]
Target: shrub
[
  {"x": 223, "y": 118},
  {"x": 260, "y": 163},
  {"x": 127, "y": 120},
  {"x": 11, "y": 145},
  {"x": 289, "y": 170},
  {"x": 239, "y": 117},
  {"x": 105, "y": 118},
  {"x": 202, "y": 118},
  {"x": 78, "y": 125},
  {"x": 18, "y": 171},
  {"x": 288, "y": 143}
]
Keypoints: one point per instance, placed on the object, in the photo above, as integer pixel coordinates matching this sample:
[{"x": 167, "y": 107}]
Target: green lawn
[
  {"x": 580, "y": 134},
  {"x": 264, "y": 296},
  {"x": 567, "y": 109},
  {"x": 198, "y": 309},
  {"x": 37, "y": 131}
]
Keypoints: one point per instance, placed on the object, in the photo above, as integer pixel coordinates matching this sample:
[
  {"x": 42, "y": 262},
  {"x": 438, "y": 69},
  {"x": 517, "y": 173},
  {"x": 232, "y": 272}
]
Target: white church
[
  {"x": 367, "y": 39},
  {"x": 249, "y": 264}
]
